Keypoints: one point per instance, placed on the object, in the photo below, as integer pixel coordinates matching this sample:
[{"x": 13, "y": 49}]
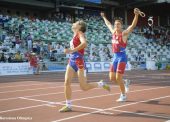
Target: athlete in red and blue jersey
[
  {"x": 76, "y": 65},
  {"x": 76, "y": 60},
  {"x": 119, "y": 42},
  {"x": 119, "y": 54}
]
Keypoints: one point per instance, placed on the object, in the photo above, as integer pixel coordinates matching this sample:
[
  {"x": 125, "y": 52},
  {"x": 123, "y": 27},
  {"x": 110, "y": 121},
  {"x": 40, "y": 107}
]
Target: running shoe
[
  {"x": 122, "y": 98},
  {"x": 65, "y": 109},
  {"x": 105, "y": 86}
]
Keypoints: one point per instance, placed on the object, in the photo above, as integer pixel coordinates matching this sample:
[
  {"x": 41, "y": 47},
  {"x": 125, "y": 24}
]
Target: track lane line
[
  {"x": 31, "y": 89},
  {"x": 35, "y": 89},
  {"x": 34, "y": 84},
  {"x": 23, "y": 108},
  {"x": 12, "y": 98},
  {"x": 119, "y": 93},
  {"x": 81, "y": 115},
  {"x": 61, "y": 102}
]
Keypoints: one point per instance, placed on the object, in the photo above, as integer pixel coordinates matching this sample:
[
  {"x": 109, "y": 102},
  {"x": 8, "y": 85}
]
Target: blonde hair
[{"x": 82, "y": 26}]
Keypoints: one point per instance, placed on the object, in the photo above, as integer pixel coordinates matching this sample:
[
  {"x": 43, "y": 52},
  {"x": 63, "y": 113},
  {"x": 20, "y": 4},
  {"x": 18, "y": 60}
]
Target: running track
[{"x": 29, "y": 98}]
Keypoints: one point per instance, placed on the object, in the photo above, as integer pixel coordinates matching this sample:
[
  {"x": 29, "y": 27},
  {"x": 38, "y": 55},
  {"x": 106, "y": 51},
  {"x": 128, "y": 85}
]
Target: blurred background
[{"x": 44, "y": 27}]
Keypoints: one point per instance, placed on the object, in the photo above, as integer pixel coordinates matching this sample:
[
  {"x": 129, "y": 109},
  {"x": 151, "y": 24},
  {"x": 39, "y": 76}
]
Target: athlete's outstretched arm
[
  {"x": 81, "y": 46},
  {"x": 134, "y": 22},
  {"x": 108, "y": 24}
]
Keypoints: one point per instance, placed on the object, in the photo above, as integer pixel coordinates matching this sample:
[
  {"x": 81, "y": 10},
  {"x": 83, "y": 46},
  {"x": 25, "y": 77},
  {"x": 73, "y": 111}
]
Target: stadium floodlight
[
  {"x": 93, "y": 1},
  {"x": 66, "y": 6},
  {"x": 162, "y": 1}
]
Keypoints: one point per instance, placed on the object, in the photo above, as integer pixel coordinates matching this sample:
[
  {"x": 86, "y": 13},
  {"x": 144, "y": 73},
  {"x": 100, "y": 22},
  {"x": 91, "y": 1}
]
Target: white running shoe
[
  {"x": 127, "y": 83},
  {"x": 122, "y": 98}
]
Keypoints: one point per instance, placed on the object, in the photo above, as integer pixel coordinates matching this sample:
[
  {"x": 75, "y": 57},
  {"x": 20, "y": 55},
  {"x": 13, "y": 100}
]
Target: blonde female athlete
[
  {"x": 119, "y": 43},
  {"x": 76, "y": 65}
]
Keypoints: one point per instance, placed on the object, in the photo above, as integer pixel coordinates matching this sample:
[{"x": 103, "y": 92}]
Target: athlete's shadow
[
  {"x": 141, "y": 114},
  {"x": 156, "y": 102},
  {"x": 131, "y": 114},
  {"x": 129, "y": 101},
  {"x": 103, "y": 113}
]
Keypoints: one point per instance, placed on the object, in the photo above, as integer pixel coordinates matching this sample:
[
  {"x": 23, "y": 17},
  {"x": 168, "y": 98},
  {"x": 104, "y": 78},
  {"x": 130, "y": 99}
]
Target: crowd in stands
[
  {"x": 48, "y": 38},
  {"x": 158, "y": 34}
]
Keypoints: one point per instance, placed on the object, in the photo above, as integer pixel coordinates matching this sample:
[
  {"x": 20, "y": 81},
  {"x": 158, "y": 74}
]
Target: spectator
[
  {"x": 50, "y": 49},
  {"x": 34, "y": 65},
  {"x": 17, "y": 43},
  {"x": 53, "y": 58},
  {"x": 39, "y": 47},
  {"x": 2, "y": 58},
  {"x": 59, "y": 49},
  {"x": 29, "y": 42},
  {"x": 34, "y": 48},
  {"x": 10, "y": 58},
  {"x": 21, "y": 28},
  {"x": 18, "y": 57},
  {"x": 93, "y": 57},
  {"x": 13, "y": 40}
]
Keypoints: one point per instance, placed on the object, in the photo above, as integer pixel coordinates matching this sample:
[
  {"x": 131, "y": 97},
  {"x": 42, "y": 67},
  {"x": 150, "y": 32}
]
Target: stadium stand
[{"x": 20, "y": 35}]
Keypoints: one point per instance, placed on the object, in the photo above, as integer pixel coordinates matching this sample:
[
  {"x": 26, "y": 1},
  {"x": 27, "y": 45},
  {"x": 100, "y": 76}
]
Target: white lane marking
[
  {"x": 53, "y": 93},
  {"x": 61, "y": 92},
  {"x": 72, "y": 100},
  {"x": 32, "y": 89},
  {"x": 36, "y": 88},
  {"x": 148, "y": 82},
  {"x": 80, "y": 115},
  {"x": 34, "y": 84},
  {"x": 53, "y": 104},
  {"x": 23, "y": 108},
  {"x": 139, "y": 102},
  {"x": 119, "y": 93},
  {"x": 39, "y": 83}
]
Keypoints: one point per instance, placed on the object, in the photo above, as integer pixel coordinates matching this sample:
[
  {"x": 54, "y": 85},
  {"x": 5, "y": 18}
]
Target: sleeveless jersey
[
  {"x": 117, "y": 43},
  {"x": 76, "y": 42}
]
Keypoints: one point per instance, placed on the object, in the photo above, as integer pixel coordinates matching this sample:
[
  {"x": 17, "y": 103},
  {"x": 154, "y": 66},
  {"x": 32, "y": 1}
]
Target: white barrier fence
[
  {"x": 151, "y": 65},
  {"x": 24, "y": 68},
  {"x": 15, "y": 69},
  {"x": 101, "y": 66}
]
